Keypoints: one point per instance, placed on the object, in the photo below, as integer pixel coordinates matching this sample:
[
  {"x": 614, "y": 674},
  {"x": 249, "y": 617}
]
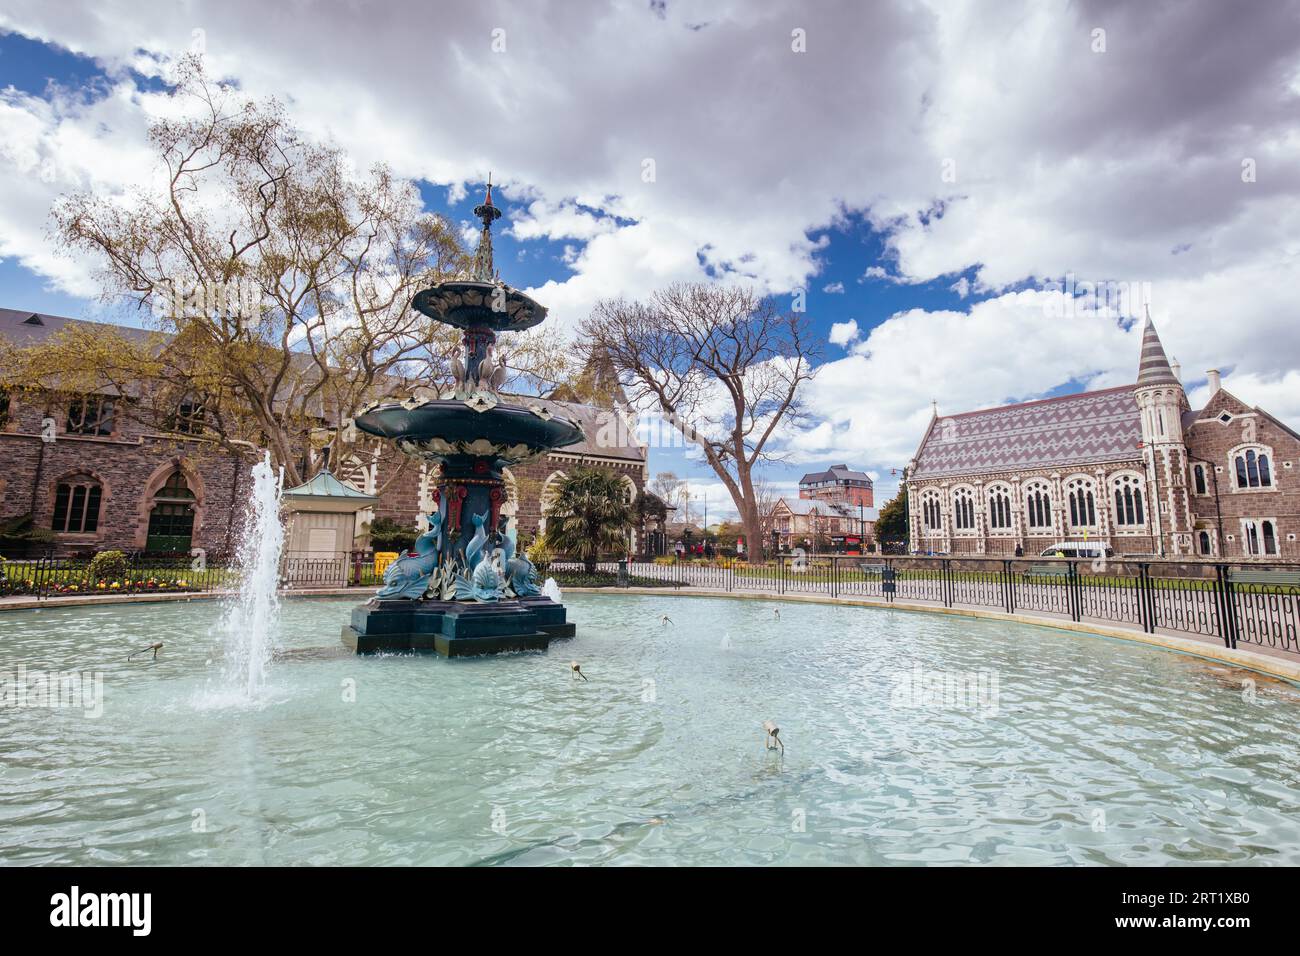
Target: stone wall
[
  {"x": 129, "y": 465},
  {"x": 1213, "y": 442}
]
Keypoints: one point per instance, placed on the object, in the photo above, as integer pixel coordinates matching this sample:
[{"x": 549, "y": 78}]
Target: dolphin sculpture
[
  {"x": 408, "y": 576},
  {"x": 475, "y": 546}
]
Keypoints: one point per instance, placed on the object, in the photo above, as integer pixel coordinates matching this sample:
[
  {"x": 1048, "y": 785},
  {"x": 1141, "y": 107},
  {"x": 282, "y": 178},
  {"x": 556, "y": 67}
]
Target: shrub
[
  {"x": 107, "y": 566},
  {"x": 387, "y": 535},
  {"x": 539, "y": 554},
  {"x": 589, "y": 515}
]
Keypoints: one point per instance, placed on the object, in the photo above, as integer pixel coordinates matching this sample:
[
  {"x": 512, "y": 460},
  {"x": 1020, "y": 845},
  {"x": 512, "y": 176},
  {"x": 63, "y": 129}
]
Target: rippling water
[{"x": 1066, "y": 750}]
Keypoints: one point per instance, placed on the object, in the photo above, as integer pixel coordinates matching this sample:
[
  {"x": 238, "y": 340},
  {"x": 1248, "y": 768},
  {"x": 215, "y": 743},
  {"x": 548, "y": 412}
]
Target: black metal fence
[
  {"x": 1239, "y": 604},
  {"x": 1247, "y": 604}
]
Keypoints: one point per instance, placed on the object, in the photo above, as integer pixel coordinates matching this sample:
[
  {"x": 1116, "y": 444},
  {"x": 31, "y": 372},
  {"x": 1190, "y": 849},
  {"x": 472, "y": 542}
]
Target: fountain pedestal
[{"x": 456, "y": 628}]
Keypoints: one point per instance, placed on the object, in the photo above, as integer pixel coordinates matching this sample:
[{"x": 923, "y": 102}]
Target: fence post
[
  {"x": 945, "y": 581},
  {"x": 835, "y": 576},
  {"x": 1072, "y": 585},
  {"x": 1226, "y": 598}
]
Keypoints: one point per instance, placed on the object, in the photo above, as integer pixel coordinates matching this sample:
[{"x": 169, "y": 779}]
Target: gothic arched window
[
  {"x": 1038, "y": 505},
  {"x": 1083, "y": 503},
  {"x": 1252, "y": 468},
  {"x": 1198, "y": 479},
  {"x": 1128, "y": 501},
  {"x": 931, "y": 514},
  {"x": 999, "y": 509},
  {"x": 963, "y": 506}
]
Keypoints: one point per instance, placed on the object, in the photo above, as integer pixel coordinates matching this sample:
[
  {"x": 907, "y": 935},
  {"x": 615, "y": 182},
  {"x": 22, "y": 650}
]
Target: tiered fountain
[{"x": 465, "y": 588}]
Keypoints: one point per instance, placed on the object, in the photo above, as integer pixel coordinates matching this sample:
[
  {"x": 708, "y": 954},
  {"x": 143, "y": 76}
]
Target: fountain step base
[{"x": 456, "y": 628}]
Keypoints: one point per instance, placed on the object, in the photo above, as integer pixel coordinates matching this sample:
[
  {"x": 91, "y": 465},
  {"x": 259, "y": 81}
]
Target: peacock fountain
[{"x": 465, "y": 588}]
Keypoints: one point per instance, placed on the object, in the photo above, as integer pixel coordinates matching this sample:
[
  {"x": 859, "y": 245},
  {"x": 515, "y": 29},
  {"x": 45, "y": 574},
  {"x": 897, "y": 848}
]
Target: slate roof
[
  {"x": 23, "y": 327},
  {"x": 1089, "y": 427},
  {"x": 804, "y": 506},
  {"x": 596, "y": 423},
  {"x": 835, "y": 473}
]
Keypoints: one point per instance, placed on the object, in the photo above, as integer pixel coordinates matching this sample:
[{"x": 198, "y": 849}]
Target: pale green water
[{"x": 1093, "y": 751}]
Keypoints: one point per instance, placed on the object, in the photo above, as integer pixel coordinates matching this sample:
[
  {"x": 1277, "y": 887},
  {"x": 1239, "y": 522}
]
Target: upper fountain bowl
[
  {"x": 443, "y": 428},
  {"x": 469, "y": 304}
]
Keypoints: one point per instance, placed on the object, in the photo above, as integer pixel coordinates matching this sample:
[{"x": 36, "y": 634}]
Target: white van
[{"x": 1078, "y": 549}]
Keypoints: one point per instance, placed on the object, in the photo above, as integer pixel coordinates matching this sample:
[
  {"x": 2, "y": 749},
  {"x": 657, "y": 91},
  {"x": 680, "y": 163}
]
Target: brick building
[
  {"x": 834, "y": 510},
  {"x": 1134, "y": 466},
  {"x": 101, "y": 480},
  {"x": 838, "y": 483}
]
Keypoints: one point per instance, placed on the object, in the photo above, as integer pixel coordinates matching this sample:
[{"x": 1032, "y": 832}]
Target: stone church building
[
  {"x": 1134, "y": 467},
  {"x": 99, "y": 479}
]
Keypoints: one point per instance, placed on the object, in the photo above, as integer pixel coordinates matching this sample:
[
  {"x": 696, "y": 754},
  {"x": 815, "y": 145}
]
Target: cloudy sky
[{"x": 944, "y": 179}]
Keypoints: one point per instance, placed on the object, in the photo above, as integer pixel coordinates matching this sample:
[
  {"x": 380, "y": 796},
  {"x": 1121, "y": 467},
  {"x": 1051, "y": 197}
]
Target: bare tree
[
  {"x": 282, "y": 276},
  {"x": 673, "y": 491},
  {"x": 721, "y": 363},
  {"x": 765, "y": 497}
]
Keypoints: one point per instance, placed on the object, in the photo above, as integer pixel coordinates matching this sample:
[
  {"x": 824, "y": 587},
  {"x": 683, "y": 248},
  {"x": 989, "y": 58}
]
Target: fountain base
[{"x": 456, "y": 628}]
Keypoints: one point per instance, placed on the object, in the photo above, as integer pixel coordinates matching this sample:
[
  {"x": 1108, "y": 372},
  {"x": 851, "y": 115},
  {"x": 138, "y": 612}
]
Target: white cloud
[
  {"x": 834, "y": 288},
  {"x": 876, "y": 402},
  {"x": 842, "y": 333}
]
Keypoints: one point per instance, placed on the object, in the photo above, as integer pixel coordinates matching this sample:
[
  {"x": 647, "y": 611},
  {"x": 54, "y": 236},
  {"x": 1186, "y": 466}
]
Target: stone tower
[{"x": 1162, "y": 401}]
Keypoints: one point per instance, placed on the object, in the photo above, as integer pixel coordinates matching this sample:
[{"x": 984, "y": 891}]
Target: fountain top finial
[
  {"x": 482, "y": 269},
  {"x": 465, "y": 302}
]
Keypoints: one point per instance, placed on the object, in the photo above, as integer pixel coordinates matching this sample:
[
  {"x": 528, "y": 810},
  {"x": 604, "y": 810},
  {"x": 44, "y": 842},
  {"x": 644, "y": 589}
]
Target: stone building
[
  {"x": 1133, "y": 466},
  {"x": 101, "y": 480}
]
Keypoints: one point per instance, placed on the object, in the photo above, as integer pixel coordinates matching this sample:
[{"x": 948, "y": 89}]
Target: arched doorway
[{"x": 171, "y": 519}]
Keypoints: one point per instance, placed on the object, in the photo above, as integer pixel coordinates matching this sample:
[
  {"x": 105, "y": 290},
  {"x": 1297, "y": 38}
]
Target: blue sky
[{"x": 936, "y": 161}]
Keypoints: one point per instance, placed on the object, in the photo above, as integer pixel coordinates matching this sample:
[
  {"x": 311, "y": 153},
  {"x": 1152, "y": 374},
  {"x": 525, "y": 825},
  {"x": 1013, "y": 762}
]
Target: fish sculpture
[
  {"x": 485, "y": 584},
  {"x": 475, "y": 545},
  {"x": 521, "y": 576},
  {"x": 408, "y": 577}
]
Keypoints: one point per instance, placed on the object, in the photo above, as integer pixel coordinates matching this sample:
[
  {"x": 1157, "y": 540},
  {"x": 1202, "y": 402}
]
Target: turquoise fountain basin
[{"x": 1087, "y": 751}]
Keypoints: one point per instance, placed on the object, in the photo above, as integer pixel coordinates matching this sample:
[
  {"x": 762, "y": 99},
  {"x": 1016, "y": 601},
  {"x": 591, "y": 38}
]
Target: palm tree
[{"x": 589, "y": 513}]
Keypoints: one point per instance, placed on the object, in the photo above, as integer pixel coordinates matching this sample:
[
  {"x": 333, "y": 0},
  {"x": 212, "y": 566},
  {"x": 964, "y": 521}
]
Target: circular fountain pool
[{"x": 909, "y": 739}]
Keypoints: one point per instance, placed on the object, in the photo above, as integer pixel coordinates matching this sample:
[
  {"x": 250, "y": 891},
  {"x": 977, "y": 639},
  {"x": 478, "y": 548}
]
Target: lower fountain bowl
[{"x": 456, "y": 628}]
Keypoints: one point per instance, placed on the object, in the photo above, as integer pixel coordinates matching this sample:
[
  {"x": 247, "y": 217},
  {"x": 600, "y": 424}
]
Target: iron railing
[
  {"x": 1250, "y": 604},
  {"x": 1241, "y": 604}
]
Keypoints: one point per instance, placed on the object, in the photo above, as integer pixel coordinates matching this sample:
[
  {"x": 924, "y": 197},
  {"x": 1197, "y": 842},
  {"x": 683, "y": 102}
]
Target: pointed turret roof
[{"x": 1154, "y": 368}]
